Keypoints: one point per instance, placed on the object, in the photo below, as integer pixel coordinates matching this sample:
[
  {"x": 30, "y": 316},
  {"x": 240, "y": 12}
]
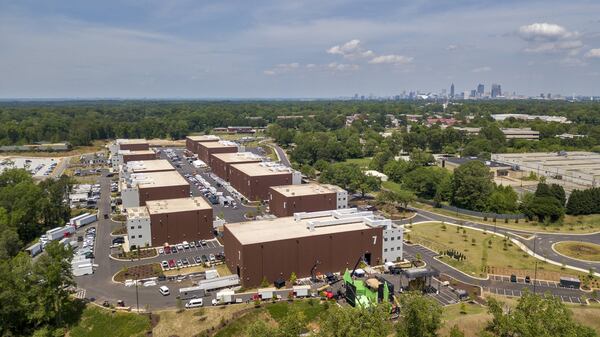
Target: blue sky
[{"x": 278, "y": 48}]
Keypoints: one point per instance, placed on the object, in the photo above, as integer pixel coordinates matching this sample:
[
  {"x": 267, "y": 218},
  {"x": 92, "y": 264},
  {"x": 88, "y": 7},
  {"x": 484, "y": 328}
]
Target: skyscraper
[
  {"x": 480, "y": 90},
  {"x": 496, "y": 90},
  {"x": 452, "y": 91}
]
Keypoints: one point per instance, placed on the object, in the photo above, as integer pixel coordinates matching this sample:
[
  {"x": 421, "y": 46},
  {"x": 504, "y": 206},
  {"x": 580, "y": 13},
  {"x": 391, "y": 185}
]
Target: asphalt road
[
  {"x": 282, "y": 155},
  {"x": 540, "y": 243}
]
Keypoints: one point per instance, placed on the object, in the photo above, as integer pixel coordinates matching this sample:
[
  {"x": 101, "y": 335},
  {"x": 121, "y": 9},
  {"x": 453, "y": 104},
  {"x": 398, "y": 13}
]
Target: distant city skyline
[{"x": 299, "y": 49}]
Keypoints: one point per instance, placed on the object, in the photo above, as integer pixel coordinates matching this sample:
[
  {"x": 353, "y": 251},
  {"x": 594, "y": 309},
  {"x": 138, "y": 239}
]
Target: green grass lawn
[
  {"x": 362, "y": 162},
  {"x": 98, "y": 322},
  {"x": 272, "y": 312},
  {"x": 579, "y": 250},
  {"x": 392, "y": 186},
  {"x": 479, "y": 253}
]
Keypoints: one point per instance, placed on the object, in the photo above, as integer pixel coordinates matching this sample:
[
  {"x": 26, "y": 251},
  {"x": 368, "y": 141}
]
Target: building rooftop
[
  {"x": 149, "y": 165},
  {"x": 329, "y": 222},
  {"x": 204, "y": 138},
  {"x": 219, "y": 144},
  {"x": 463, "y": 160},
  {"x": 306, "y": 189},
  {"x": 238, "y": 157},
  {"x": 132, "y": 141},
  {"x": 131, "y": 153},
  {"x": 262, "y": 169},
  {"x": 137, "y": 213},
  {"x": 155, "y": 179},
  {"x": 177, "y": 205}
]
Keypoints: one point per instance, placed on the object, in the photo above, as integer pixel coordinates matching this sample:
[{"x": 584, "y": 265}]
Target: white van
[
  {"x": 196, "y": 302},
  {"x": 164, "y": 290}
]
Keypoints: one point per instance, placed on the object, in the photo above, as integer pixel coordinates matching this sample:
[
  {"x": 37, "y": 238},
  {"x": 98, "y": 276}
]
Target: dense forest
[{"x": 80, "y": 122}]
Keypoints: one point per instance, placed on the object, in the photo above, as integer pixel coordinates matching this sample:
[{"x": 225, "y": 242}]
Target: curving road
[{"x": 539, "y": 243}]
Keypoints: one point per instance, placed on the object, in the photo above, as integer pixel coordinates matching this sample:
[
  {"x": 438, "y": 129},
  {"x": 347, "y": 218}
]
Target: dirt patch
[
  {"x": 122, "y": 230},
  {"x": 579, "y": 250},
  {"x": 139, "y": 272}
]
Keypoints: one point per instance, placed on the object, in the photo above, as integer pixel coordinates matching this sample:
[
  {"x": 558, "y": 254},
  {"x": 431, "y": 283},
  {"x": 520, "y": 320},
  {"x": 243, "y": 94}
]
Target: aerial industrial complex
[
  {"x": 142, "y": 187},
  {"x": 221, "y": 162},
  {"x": 254, "y": 179}
]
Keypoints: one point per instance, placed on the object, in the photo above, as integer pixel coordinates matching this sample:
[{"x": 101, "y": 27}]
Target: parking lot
[
  {"x": 543, "y": 283},
  {"x": 519, "y": 293},
  {"x": 230, "y": 212},
  {"x": 181, "y": 255}
]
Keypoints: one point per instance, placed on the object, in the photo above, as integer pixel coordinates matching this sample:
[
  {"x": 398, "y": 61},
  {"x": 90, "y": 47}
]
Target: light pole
[
  {"x": 535, "y": 264},
  {"x": 137, "y": 297}
]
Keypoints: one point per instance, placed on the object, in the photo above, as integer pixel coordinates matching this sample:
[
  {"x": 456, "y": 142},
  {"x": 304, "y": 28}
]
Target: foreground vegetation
[{"x": 99, "y": 322}]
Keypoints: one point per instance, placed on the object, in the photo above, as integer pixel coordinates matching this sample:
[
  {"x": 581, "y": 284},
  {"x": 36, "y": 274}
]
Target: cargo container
[
  {"x": 220, "y": 283},
  {"x": 191, "y": 292},
  {"x": 56, "y": 233},
  {"x": 211, "y": 274},
  {"x": 89, "y": 218},
  {"x": 34, "y": 249},
  {"x": 73, "y": 220}
]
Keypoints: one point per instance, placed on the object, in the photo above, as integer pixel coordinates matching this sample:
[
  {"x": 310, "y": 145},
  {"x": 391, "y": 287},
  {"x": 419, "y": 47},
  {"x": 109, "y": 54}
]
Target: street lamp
[{"x": 535, "y": 264}]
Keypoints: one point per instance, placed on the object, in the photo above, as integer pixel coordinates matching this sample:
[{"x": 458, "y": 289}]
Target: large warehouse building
[
  {"x": 128, "y": 144},
  {"x": 125, "y": 156},
  {"x": 289, "y": 199},
  {"x": 205, "y": 149},
  {"x": 316, "y": 242},
  {"x": 145, "y": 166},
  {"x": 221, "y": 162},
  {"x": 170, "y": 221},
  {"x": 254, "y": 179},
  {"x": 142, "y": 187},
  {"x": 576, "y": 167},
  {"x": 191, "y": 142}
]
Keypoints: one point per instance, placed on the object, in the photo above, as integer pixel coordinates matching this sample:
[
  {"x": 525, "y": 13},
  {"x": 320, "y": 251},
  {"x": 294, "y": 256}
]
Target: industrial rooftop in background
[
  {"x": 156, "y": 179},
  {"x": 304, "y": 225},
  {"x": 204, "y": 138},
  {"x": 262, "y": 169},
  {"x": 237, "y": 157},
  {"x": 177, "y": 205},
  {"x": 306, "y": 189},
  {"x": 149, "y": 166}
]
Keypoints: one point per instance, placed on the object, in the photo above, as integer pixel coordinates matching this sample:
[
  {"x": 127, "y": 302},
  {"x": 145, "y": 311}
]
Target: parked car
[
  {"x": 198, "y": 259},
  {"x": 194, "y": 303},
  {"x": 161, "y": 251},
  {"x": 179, "y": 263},
  {"x": 185, "y": 261},
  {"x": 192, "y": 244},
  {"x": 165, "y": 264},
  {"x": 174, "y": 250},
  {"x": 185, "y": 245},
  {"x": 167, "y": 250},
  {"x": 527, "y": 279},
  {"x": 172, "y": 263},
  {"x": 204, "y": 258},
  {"x": 513, "y": 278},
  {"x": 164, "y": 290},
  {"x": 212, "y": 258},
  {"x": 119, "y": 240},
  {"x": 180, "y": 246}
]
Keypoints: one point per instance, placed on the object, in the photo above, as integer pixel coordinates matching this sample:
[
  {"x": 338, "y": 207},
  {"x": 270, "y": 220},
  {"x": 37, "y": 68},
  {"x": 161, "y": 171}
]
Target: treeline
[
  {"x": 421, "y": 316},
  {"x": 28, "y": 209},
  {"x": 34, "y": 295},
  {"x": 584, "y": 202}
]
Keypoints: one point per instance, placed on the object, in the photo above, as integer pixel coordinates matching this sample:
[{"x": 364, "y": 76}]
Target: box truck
[
  {"x": 34, "y": 249},
  {"x": 266, "y": 293},
  {"x": 191, "y": 292},
  {"x": 301, "y": 291},
  {"x": 570, "y": 282},
  {"x": 72, "y": 221},
  {"x": 56, "y": 233},
  {"x": 225, "y": 296}
]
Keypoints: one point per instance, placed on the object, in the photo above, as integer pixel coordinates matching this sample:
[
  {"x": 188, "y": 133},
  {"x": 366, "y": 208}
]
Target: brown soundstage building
[
  {"x": 331, "y": 240},
  {"x": 191, "y": 142},
  {"x": 289, "y": 199},
  {"x": 142, "y": 187},
  {"x": 254, "y": 179},
  {"x": 132, "y": 144},
  {"x": 170, "y": 221},
  {"x": 206, "y": 149},
  {"x": 129, "y": 155},
  {"x": 221, "y": 162}
]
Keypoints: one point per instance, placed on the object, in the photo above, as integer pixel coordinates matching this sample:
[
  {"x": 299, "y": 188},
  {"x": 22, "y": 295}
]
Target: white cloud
[
  {"x": 545, "y": 32},
  {"x": 391, "y": 59},
  {"x": 282, "y": 68},
  {"x": 593, "y": 53},
  {"x": 351, "y": 49},
  {"x": 482, "y": 69},
  {"x": 343, "y": 66},
  {"x": 550, "y": 38}
]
